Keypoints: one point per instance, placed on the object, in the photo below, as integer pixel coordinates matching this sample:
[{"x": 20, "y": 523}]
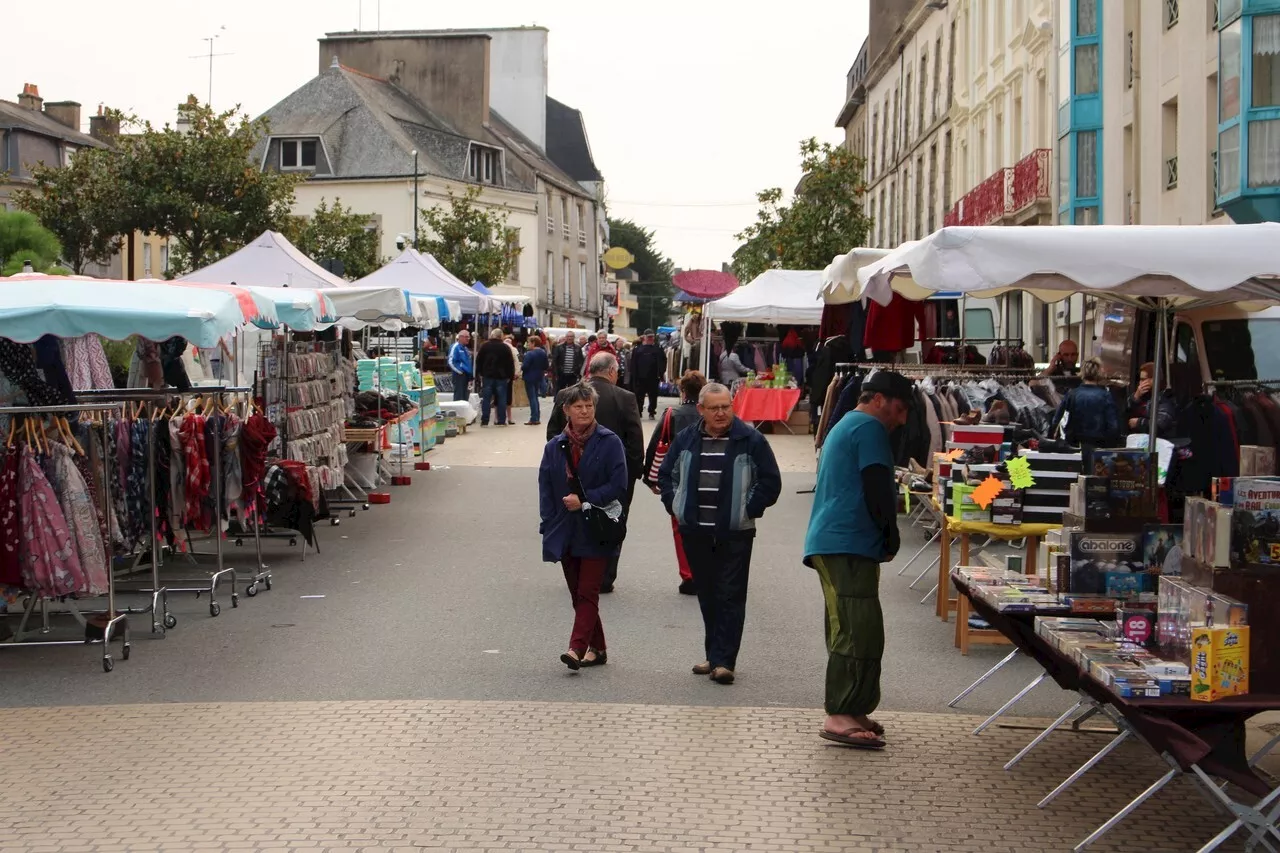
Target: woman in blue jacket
[
  {"x": 534, "y": 366},
  {"x": 597, "y": 457}
]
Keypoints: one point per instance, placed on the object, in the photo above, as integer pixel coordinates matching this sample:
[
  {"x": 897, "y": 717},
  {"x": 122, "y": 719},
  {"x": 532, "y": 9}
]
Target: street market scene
[{"x": 399, "y": 457}]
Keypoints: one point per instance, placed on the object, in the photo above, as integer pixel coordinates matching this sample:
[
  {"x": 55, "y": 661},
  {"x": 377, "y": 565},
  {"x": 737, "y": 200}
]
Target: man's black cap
[
  {"x": 648, "y": 332},
  {"x": 891, "y": 384}
]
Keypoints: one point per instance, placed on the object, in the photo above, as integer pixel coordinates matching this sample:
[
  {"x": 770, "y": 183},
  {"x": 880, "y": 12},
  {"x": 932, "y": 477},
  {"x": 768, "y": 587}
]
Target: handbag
[
  {"x": 660, "y": 452},
  {"x": 606, "y": 525}
]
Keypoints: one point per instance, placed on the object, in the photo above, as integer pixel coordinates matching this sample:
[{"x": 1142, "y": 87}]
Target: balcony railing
[
  {"x": 551, "y": 225},
  {"x": 1009, "y": 191},
  {"x": 1171, "y": 173},
  {"x": 1170, "y": 13},
  {"x": 582, "y": 238},
  {"x": 565, "y": 231}
]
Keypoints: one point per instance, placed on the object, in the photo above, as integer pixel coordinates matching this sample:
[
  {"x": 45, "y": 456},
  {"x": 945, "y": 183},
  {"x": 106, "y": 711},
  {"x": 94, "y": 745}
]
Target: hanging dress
[
  {"x": 76, "y": 502},
  {"x": 196, "y": 483},
  {"x": 50, "y": 560},
  {"x": 10, "y": 564}
]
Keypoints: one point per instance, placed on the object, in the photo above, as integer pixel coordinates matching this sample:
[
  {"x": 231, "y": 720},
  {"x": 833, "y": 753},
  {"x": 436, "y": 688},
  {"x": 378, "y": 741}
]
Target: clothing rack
[
  {"x": 941, "y": 371},
  {"x": 1231, "y": 383},
  {"x": 117, "y": 622}
]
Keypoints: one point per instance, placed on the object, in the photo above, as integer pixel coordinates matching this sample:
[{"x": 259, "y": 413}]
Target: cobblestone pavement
[{"x": 455, "y": 775}]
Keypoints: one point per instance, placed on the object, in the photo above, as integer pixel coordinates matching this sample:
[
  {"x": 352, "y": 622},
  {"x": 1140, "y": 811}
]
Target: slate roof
[
  {"x": 369, "y": 127},
  {"x": 567, "y": 144},
  {"x": 16, "y": 115}
]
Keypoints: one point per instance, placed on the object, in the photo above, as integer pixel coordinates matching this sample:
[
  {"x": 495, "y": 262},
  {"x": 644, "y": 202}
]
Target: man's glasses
[{"x": 717, "y": 410}]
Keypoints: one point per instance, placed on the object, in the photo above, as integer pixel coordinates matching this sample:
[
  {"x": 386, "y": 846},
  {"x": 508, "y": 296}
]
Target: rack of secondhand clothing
[
  {"x": 57, "y": 520},
  {"x": 944, "y": 393},
  {"x": 1214, "y": 425},
  {"x": 173, "y": 478}
]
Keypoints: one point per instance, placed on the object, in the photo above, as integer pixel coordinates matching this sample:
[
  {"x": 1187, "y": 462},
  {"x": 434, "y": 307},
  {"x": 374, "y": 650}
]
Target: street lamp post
[{"x": 415, "y": 199}]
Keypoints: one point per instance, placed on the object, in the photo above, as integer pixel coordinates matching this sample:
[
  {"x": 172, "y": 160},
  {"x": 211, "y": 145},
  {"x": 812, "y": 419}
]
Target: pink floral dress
[{"x": 50, "y": 558}]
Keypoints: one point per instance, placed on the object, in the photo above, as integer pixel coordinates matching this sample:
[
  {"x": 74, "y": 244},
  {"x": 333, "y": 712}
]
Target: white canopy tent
[
  {"x": 1154, "y": 266},
  {"x": 776, "y": 297},
  {"x": 269, "y": 261},
  {"x": 1186, "y": 265},
  {"x": 422, "y": 275},
  {"x": 840, "y": 279}
]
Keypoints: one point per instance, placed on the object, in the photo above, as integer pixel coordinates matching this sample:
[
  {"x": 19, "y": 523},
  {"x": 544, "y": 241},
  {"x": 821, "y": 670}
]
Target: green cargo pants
[{"x": 855, "y": 632}]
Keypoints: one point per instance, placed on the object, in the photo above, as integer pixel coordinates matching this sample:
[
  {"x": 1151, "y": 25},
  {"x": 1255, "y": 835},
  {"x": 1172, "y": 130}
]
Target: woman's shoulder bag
[{"x": 606, "y": 525}]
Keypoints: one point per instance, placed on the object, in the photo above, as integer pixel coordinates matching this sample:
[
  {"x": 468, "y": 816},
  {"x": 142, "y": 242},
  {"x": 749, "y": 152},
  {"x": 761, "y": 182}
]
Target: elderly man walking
[
  {"x": 853, "y": 528},
  {"x": 616, "y": 410},
  {"x": 460, "y": 365},
  {"x": 566, "y": 363},
  {"x": 496, "y": 367},
  {"x": 718, "y": 477}
]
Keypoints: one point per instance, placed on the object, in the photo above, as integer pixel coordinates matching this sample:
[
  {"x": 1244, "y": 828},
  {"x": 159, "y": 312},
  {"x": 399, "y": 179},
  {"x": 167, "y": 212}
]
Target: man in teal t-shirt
[{"x": 853, "y": 528}]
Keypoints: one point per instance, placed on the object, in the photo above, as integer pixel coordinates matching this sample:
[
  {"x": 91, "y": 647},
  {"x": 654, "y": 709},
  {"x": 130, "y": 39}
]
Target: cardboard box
[
  {"x": 1219, "y": 662},
  {"x": 1257, "y": 461},
  {"x": 964, "y": 508}
]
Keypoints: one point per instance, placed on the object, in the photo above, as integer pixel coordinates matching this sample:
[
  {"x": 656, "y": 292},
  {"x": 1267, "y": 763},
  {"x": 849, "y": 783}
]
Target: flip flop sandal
[
  {"x": 876, "y": 729},
  {"x": 849, "y": 738}
]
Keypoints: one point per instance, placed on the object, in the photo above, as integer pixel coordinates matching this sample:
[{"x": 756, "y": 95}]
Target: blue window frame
[
  {"x": 1080, "y": 113},
  {"x": 1248, "y": 99}
]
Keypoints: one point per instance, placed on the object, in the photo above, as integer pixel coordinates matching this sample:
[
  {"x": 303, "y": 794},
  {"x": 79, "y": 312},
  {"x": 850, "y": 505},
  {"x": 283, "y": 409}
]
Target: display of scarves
[
  {"x": 49, "y": 557},
  {"x": 164, "y": 497},
  {"x": 86, "y": 362},
  {"x": 177, "y": 472},
  {"x": 197, "y": 480},
  {"x": 76, "y": 503},
  {"x": 232, "y": 474},
  {"x": 10, "y": 565},
  {"x": 212, "y": 445},
  {"x": 118, "y": 450}
]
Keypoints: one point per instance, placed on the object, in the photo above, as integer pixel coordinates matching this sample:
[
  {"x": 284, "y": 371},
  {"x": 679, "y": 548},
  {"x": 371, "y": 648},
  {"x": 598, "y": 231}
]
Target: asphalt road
[{"x": 442, "y": 594}]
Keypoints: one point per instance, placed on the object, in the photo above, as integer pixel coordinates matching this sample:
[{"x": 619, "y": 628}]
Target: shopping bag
[{"x": 660, "y": 452}]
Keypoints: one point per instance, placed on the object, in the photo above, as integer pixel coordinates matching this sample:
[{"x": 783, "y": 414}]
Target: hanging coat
[{"x": 10, "y": 564}]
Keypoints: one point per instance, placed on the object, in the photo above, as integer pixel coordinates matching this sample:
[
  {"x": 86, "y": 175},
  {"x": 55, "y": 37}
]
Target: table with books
[{"x": 1189, "y": 705}]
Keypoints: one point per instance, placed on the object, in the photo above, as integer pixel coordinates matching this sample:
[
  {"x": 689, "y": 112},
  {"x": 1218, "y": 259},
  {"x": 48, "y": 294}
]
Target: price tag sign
[
  {"x": 987, "y": 491},
  {"x": 1019, "y": 469}
]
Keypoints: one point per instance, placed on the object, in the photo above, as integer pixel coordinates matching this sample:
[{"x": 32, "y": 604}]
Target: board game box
[
  {"x": 1162, "y": 548},
  {"x": 1128, "y": 473},
  {"x": 1094, "y": 556}
]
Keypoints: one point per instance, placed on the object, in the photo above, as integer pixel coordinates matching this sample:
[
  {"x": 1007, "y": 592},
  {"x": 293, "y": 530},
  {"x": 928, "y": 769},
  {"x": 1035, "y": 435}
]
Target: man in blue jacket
[
  {"x": 718, "y": 477},
  {"x": 460, "y": 364}
]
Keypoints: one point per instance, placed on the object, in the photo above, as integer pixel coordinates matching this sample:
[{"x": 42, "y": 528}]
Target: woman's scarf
[{"x": 578, "y": 441}]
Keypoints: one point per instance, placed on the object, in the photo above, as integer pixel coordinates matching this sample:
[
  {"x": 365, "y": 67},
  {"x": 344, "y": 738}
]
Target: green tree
[
  {"x": 198, "y": 185},
  {"x": 339, "y": 233},
  {"x": 825, "y": 218},
  {"x": 469, "y": 240},
  {"x": 80, "y": 203},
  {"x": 22, "y": 239},
  {"x": 653, "y": 290}
]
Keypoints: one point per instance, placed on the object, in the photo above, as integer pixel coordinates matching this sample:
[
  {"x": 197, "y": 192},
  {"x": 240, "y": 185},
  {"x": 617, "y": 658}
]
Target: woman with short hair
[
  {"x": 1092, "y": 417},
  {"x": 584, "y": 467}
]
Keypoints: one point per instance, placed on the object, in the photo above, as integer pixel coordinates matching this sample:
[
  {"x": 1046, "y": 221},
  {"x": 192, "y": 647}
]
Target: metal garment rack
[{"x": 117, "y": 622}]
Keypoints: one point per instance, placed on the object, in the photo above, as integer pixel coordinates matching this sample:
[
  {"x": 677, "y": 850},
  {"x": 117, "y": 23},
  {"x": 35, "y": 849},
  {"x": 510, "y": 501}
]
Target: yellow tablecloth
[{"x": 999, "y": 531}]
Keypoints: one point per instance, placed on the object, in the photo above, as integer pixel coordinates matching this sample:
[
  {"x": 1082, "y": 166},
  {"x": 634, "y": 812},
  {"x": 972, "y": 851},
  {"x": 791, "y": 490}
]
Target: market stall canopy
[
  {"x": 300, "y": 308},
  {"x": 70, "y": 307},
  {"x": 1190, "y": 265},
  {"x": 840, "y": 279},
  {"x": 422, "y": 275},
  {"x": 775, "y": 297},
  {"x": 373, "y": 304},
  {"x": 705, "y": 284},
  {"x": 260, "y": 310},
  {"x": 269, "y": 261}
]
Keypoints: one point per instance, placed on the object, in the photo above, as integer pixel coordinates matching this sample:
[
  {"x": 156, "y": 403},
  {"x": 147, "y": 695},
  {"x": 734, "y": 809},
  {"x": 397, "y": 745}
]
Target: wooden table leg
[
  {"x": 941, "y": 608},
  {"x": 962, "y": 625},
  {"x": 1033, "y": 554}
]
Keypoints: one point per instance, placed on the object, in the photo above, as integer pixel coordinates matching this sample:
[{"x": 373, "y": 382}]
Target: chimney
[
  {"x": 64, "y": 112},
  {"x": 30, "y": 97},
  {"x": 104, "y": 126}
]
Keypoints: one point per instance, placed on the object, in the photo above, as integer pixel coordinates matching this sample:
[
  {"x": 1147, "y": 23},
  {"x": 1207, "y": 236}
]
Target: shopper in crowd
[
  {"x": 516, "y": 365},
  {"x": 1139, "y": 406},
  {"x": 731, "y": 367},
  {"x": 648, "y": 366},
  {"x": 624, "y": 364},
  {"x": 1091, "y": 416},
  {"x": 853, "y": 528},
  {"x": 584, "y": 465},
  {"x": 496, "y": 368},
  {"x": 676, "y": 420},
  {"x": 460, "y": 365},
  {"x": 615, "y": 409},
  {"x": 1064, "y": 360},
  {"x": 566, "y": 361},
  {"x": 534, "y": 367},
  {"x": 719, "y": 476},
  {"x": 597, "y": 344}
]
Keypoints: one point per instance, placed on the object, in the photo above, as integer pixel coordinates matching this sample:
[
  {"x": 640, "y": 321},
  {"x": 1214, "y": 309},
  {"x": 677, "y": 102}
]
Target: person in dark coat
[
  {"x": 648, "y": 364},
  {"x": 616, "y": 410},
  {"x": 720, "y": 475},
  {"x": 676, "y": 420},
  {"x": 596, "y": 455},
  {"x": 1139, "y": 419},
  {"x": 1092, "y": 417},
  {"x": 496, "y": 368},
  {"x": 566, "y": 362},
  {"x": 534, "y": 366}
]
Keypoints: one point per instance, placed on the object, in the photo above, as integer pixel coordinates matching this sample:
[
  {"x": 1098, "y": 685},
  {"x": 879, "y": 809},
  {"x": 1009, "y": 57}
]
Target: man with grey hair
[
  {"x": 496, "y": 369},
  {"x": 617, "y": 410},
  {"x": 718, "y": 477}
]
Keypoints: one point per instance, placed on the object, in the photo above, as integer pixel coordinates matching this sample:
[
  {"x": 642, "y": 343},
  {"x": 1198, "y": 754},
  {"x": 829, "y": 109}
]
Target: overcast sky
[{"x": 691, "y": 107}]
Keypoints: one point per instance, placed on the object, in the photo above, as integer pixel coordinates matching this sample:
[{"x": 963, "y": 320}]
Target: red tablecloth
[{"x": 765, "y": 404}]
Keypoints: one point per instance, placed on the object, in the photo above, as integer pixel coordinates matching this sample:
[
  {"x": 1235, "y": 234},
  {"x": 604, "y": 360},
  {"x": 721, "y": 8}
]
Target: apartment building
[{"x": 907, "y": 131}]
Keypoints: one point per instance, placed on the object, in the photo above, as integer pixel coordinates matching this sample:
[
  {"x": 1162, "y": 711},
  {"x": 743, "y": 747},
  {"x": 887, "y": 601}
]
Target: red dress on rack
[{"x": 892, "y": 327}]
